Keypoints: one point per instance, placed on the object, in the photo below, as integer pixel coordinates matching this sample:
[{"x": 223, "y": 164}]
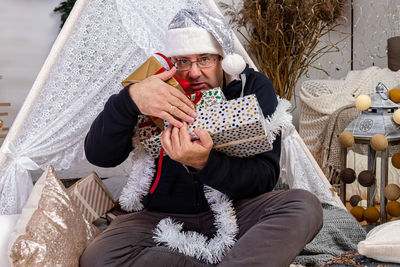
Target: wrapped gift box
[
  {"x": 91, "y": 196},
  {"x": 150, "y": 67},
  {"x": 149, "y": 136},
  {"x": 209, "y": 97},
  {"x": 149, "y": 133},
  {"x": 237, "y": 126}
]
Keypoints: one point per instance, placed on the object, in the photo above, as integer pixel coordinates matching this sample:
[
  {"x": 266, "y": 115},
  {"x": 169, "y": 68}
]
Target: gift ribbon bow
[{"x": 23, "y": 162}]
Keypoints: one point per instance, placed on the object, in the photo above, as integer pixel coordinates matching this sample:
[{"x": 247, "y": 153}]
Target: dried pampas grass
[{"x": 283, "y": 36}]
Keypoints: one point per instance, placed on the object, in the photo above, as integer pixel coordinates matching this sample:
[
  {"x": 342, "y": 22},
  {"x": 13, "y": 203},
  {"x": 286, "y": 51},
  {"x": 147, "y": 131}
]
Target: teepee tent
[{"x": 101, "y": 43}]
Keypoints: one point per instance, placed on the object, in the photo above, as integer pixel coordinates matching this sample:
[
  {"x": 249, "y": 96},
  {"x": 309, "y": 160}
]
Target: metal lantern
[{"x": 378, "y": 119}]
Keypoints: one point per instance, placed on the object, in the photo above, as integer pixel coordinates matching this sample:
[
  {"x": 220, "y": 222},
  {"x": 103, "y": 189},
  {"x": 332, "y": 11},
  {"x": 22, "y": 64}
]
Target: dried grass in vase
[{"x": 283, "y": 36}]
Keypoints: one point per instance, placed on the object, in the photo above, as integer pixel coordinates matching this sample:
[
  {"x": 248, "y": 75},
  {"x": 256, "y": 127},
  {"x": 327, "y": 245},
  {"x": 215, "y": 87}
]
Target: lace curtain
[
  {"x": 300, "y": 170},
  {"x": 108, "y": 40}
]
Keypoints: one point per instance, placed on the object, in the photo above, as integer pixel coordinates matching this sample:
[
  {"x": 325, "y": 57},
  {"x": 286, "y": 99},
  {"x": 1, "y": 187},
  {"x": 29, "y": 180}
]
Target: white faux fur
[
  {"x": 278, "y": 120},
  {"x": 196, "y": 245},
  {"x": 189, "y": 41},
  {"x": 140, "y": 178}
]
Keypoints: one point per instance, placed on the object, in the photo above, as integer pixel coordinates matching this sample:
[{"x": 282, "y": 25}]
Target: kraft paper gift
[{"x": 91, "y": 196}]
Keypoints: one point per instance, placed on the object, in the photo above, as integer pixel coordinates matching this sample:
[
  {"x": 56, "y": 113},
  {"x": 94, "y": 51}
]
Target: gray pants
[{"x": 273, "y": 229}]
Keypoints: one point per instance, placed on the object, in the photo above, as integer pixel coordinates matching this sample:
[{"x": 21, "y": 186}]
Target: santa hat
[{"x": 201, "y": 32}]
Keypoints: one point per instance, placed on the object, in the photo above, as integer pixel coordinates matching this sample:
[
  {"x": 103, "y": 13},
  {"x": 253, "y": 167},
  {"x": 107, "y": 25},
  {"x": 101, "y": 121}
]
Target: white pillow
[
  {"x": 382, "y": 243},
  {"x": 7, "y": 223}
]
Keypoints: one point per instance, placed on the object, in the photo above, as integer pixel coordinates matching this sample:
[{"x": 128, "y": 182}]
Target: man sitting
[{"x": 274, "y": 226}]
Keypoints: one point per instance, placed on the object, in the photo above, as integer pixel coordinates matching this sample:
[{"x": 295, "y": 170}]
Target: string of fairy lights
[{"x": 366, "y": 27}]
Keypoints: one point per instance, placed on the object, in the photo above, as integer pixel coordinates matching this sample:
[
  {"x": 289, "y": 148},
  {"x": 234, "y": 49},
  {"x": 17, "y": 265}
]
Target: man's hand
[
  {"x": 154, "y": 97},
  {"x": 177, "y": 144}
]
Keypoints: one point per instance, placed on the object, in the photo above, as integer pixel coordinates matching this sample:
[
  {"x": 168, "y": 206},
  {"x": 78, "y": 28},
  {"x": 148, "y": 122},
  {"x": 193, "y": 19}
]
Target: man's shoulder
[
  {"x": 257, "y": 76},
  {"x": 258, "y": 83},
  {"x": 255, "y": 83}
]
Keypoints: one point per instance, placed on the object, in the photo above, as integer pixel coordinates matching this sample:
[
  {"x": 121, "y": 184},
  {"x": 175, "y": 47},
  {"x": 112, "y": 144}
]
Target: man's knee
[
  {"x": 108, "y": 252},
  {"x": 310, "y": 213},
  {"x": 92, "y": 256}
]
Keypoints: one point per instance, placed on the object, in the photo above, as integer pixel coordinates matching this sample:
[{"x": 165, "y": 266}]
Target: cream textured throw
[
  {"x": 330, "y": 153},
  {"x": 321, "y": 98}
]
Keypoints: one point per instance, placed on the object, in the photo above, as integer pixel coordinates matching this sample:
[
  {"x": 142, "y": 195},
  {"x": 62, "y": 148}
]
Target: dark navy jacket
[{"x": 109, "y": 142}]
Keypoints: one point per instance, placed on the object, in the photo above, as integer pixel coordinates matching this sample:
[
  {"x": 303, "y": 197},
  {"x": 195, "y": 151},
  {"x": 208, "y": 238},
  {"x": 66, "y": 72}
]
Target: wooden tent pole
[{"x": 43, "y": 75}]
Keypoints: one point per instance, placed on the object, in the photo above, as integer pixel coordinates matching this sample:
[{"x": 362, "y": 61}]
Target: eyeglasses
[{"x": 202, "y": 62}]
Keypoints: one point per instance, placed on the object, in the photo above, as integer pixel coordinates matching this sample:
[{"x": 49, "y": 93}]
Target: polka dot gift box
[
  {"x": 238, "y": 127},
  {"x": 149, "y": 133}
]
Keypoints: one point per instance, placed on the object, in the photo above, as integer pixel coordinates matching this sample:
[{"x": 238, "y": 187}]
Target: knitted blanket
[
  {"x": 321, "y": 98},
  {"x": 340, "y": 233}
]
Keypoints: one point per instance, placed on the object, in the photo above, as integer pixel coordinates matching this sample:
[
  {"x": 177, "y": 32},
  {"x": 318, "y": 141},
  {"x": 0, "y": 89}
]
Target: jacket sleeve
[
  {"x": 246, "y": 177},
  {"x": 109, "y": 140}
]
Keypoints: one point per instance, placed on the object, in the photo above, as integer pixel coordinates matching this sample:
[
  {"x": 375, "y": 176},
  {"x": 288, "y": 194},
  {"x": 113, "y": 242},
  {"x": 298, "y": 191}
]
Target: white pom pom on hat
[{"x": 233, "y": 64}]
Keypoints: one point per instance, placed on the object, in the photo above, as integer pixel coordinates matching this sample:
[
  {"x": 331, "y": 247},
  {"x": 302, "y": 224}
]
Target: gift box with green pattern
[
  {"x": 209, "y": 97},
  {"x": 149, "y": 135}
]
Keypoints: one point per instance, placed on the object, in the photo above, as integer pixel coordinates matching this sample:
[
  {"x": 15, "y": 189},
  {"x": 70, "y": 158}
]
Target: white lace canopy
[
  {"x": 105, "y": 43},
  {"x": 102, "y": 42}
]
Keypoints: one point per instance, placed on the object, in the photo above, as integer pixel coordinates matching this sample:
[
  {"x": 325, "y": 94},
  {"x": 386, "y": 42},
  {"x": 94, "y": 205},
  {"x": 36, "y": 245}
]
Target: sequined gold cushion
[{"x": 51, "y": 230}]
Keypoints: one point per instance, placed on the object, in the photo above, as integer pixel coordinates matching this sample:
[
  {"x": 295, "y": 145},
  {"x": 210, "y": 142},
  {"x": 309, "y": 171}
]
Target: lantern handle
[{"x": 382, "y": 90}]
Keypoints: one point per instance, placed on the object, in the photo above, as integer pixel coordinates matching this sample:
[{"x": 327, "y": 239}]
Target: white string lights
[{"x": 374, "y": 22}]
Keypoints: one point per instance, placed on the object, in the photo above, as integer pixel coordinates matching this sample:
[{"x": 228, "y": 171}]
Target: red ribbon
[
  {"x": 157, "y": 180},
  {"x": 146, "y": 123},
  {"x": 197, "y": 97},
  {"x": 185, "y": 85}
]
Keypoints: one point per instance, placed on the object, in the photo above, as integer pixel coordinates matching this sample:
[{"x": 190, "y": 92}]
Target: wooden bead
[
  {"x": 366, "y": 178},
  {"x": 392, "y": 192},
  {"x": 358, "y": 213},
  {"x": 393, "y": 208},
  {"x": 394, "y": 95},
  {"x": 396, "y": 160},
  {"x": 346, "y": 139},
  {"x": 371, "y": 215},
  {"x": 379, "y": 142},
  {"x": 363, "y": 102},
  {"x": 354, "y": 200},
  {"x": 396, "y": 116},
  {"x": 347, "y": 175}
]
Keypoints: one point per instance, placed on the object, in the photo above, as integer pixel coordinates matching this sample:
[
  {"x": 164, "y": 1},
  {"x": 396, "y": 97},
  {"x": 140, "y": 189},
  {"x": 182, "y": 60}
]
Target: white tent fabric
[{"x": 101, "y": 43}]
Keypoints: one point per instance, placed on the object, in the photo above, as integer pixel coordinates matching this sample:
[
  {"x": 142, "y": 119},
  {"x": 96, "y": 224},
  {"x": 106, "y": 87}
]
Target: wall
[{"x": 28, "y": 29}]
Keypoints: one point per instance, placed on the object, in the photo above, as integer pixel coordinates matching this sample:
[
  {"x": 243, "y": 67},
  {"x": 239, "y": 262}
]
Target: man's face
[{"x": 200, "y": 78}]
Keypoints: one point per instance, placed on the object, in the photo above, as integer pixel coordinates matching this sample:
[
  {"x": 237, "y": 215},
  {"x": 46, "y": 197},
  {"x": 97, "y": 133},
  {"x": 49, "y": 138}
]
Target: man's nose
[{"x": 194, "y": 71}]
